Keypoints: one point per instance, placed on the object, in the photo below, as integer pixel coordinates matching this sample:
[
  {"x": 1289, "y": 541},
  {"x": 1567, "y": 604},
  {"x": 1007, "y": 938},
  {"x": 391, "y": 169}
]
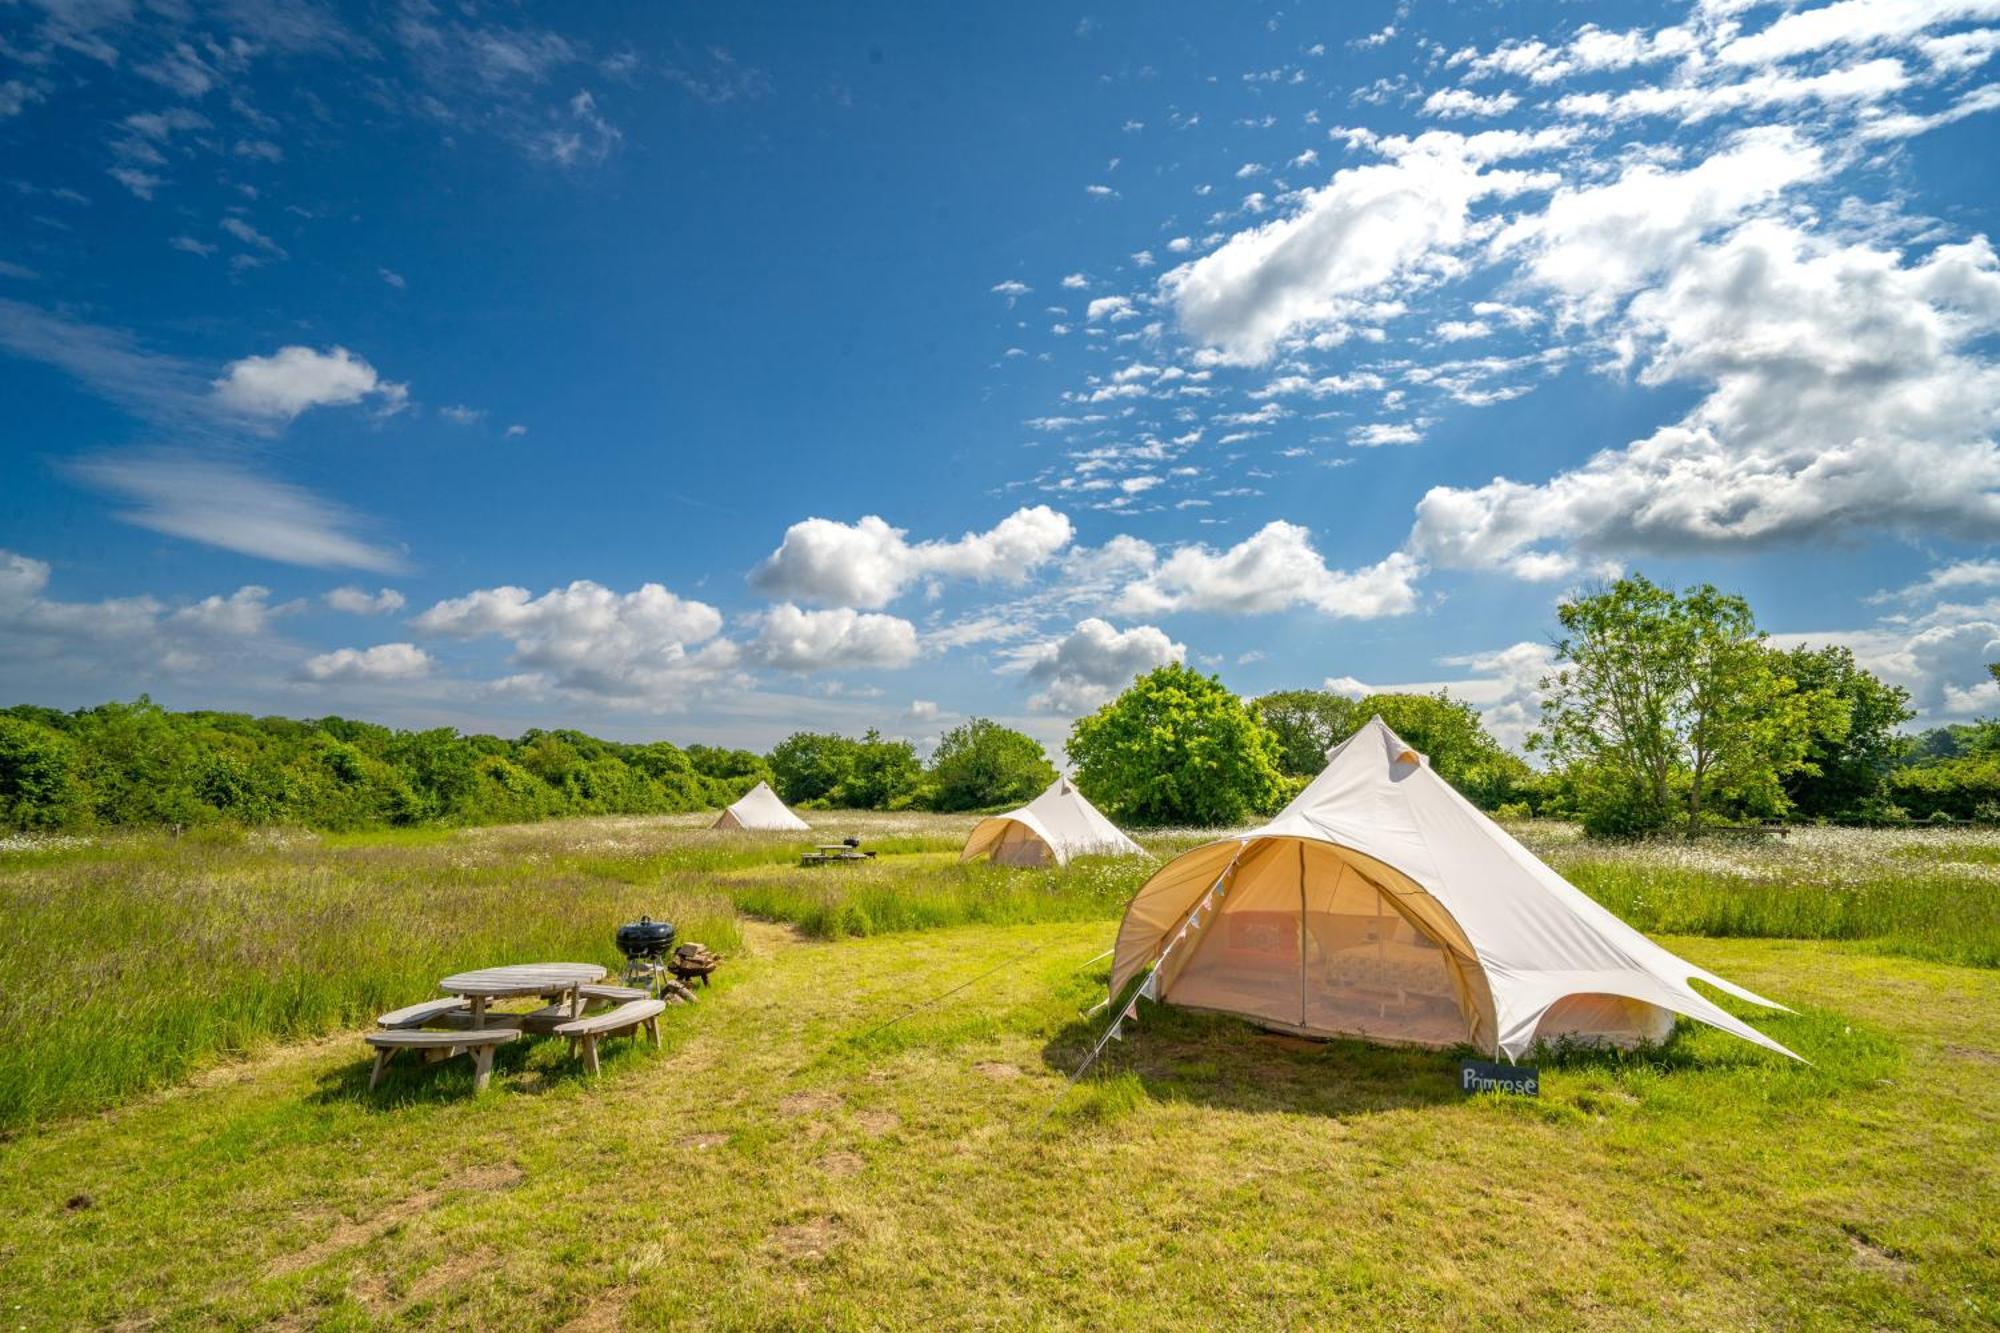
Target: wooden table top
[{"x": 521, "y": 979}]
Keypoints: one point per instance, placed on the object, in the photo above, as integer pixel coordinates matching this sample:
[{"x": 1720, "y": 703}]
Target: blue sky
[{"x": 710, "y": 372}]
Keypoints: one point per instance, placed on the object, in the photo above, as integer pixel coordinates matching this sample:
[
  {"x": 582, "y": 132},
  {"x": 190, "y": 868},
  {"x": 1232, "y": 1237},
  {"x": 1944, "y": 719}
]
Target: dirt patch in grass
[
  {"x": 997, "y": 1069},
  {"x": 703, "y": 1142},
  {"x": 877, "y": 1123},
  {"x": 1974, "y": 1054},
  {"x": 809, "y": 1103},
  {"x": 352, "y": 1235},
  {"x": 1872, "y": 1254},
  {"x": 810, "y": 1240},
  {"x": 842, "y": 1163}
]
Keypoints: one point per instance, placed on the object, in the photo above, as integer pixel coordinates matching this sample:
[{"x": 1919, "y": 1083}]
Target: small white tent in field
[
  {"x": 1382, "y": 904},
  {"x": 1050, "y": 829},
  {"x": 760, "y": 808}
]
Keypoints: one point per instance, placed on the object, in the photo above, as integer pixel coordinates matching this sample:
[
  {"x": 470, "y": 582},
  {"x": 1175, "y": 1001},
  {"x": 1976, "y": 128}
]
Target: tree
[
  {"x": 883, "y": 776},
  {"x": 1450, "y": 734},
  {"x": 979, "y": 764},
  {"x": 1176, "y": 747},
  {"x": 38, "y": 787},
  {"x": 1307, "y": 724},
  {"x": 1447, "y": 731},
  {"x": 808, "y": 765},
  {"x": 1844, "y": 769},
  {"x": 1668, "y": 703}
]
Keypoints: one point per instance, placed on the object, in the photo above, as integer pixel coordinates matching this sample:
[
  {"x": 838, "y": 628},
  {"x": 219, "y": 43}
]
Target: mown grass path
[{"x": 771, "y": 1170}]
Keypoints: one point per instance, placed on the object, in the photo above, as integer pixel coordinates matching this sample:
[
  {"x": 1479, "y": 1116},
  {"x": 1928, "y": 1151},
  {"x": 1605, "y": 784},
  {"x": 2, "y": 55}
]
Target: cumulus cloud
[
  {"x": 360, "y": 602},
  {"x": 1344, "y": 243},
  {"x": 295, "y": 379},
  {"x": 869, "y": 564},
  {"x": 1447, "y": 103},
  {"x": 1845, "y": 395},
  {"x": 1594, "y": 245},
  {"x": 140, "y": 636},
  {"x": 1092, "y": 663},
  {"x": 643, "y": 645},
  {"x": 1274, "y": 569},
  {"x": 792, "y": 639},
  {"x": 383, "y": 662}
]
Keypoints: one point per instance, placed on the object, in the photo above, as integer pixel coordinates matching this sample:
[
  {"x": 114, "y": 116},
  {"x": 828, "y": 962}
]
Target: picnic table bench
[
  {"x": 628, "y": 1017},
  {"x": 441, "y": 1046}
]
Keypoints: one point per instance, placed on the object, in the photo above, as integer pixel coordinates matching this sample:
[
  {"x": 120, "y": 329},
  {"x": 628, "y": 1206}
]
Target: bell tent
[
  {"x": 1050, "y": 829},
  {"x": 761, "y": 809},
  {"x": 1382, "y": 904}
]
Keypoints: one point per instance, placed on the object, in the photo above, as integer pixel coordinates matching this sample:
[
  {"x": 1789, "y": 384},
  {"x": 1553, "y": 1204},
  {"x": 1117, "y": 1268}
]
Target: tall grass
[
  {"x": 129, "y": 971},
  {"x": 844, "y": 901},
  {"x": 1917, "y": 893}
]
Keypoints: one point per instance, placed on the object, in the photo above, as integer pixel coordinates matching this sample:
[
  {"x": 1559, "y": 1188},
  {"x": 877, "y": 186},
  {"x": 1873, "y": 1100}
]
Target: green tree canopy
[
  {"x": 979, "y": 764},
  {"x": 882, "y": 776},
  {"x": 1176, "y": 747},
  {"x": 1666, "y": 705},
  {"x": 1448, "y": 731},
  {"x": 1844, "y": 768},
  {"x": 1307, "y": 723},
  {"x": 809, "y": 765}
]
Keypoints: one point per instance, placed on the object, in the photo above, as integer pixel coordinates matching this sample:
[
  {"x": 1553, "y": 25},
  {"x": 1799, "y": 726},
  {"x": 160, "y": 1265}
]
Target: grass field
[{"x": 789, "y": 1161}]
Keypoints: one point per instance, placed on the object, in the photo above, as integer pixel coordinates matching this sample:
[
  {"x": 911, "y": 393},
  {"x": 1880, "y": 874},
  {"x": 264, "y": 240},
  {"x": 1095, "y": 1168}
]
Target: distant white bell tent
[
  {"x": 760, "y": 809},
  {"x": 1048, "y": 830},
  {"x": 1382, "y": 904}
]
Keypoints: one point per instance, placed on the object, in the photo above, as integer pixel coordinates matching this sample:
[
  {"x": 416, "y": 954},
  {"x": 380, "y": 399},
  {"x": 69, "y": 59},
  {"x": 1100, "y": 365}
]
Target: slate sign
[{"x": 1479, "y": 1076}]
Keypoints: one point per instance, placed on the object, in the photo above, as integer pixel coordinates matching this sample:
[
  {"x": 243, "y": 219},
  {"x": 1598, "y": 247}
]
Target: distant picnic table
[{"x": 834, "y": 851}]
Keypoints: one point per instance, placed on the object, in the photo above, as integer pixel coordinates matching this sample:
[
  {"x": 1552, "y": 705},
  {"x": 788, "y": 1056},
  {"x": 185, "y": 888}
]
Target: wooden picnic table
[{"x": 502, "y": 983}]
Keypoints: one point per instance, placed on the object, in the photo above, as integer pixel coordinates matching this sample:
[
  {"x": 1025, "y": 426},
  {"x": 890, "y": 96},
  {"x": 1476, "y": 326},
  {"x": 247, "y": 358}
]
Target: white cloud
[
  {"x": 869, "y": 564},
  {"x": 1075, "y": 281},
  {"x": 250, "y": 236},
  {"x": 361, "y": 602},
  {"x": 1594, "y": 245},
  {"x": 132, "y": 637},
  {"x": 383, "y": 662},
  {"x": 1845, "y": 394},
  {"x": 1378, "y": 433},
  {"x": 643, "y": 645},
  {"x": 1504, "y": 687},
  {"x": 1092, "y": 663},
  {"x": 1450, "y": 103},
  {"x": 1371, "y": 227},
  {"x": 1116, "y": 309},
  {"x": 220, "y": 504},
  {"x": 1849, "y": 23},
  {"x": 1862, "y": 84},
  {"x": 1011, "y": 289},
  {"x": 458, "y": 414},
  {"x": 791, "y": 639},
  {"x": 1274, "y": 569},
  {"x": 294, "y": 379},
  {"x": 923, "y": 710},
  {"x": 393, "y": 278}
]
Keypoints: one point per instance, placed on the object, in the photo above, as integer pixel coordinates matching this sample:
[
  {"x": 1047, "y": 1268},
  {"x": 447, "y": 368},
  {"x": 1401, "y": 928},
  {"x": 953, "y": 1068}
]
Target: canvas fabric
[
  {"x": 760, "y": 809},
  {"x": 1382, "y": 904},
  {"x": 1052, "y": 828}
]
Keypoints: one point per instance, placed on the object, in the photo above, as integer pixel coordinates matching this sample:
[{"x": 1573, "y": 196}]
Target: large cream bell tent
[
  {"x": 1050, "y": 829},
  {"x": 761, "y": 809},
  {"x": 1382, "y": 904}
]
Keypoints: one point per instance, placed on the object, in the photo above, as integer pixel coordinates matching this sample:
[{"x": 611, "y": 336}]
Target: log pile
[{"x": 692, "y": 962}]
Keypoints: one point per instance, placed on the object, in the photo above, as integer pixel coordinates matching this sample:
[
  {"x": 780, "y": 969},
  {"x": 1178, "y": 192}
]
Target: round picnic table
[{"x": 502, "y": 983}]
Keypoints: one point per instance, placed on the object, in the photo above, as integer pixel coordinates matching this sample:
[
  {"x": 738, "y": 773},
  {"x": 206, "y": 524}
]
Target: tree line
[
  {"x": 137, "y": 764},
  {"x": 1664, "y": 710}
]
